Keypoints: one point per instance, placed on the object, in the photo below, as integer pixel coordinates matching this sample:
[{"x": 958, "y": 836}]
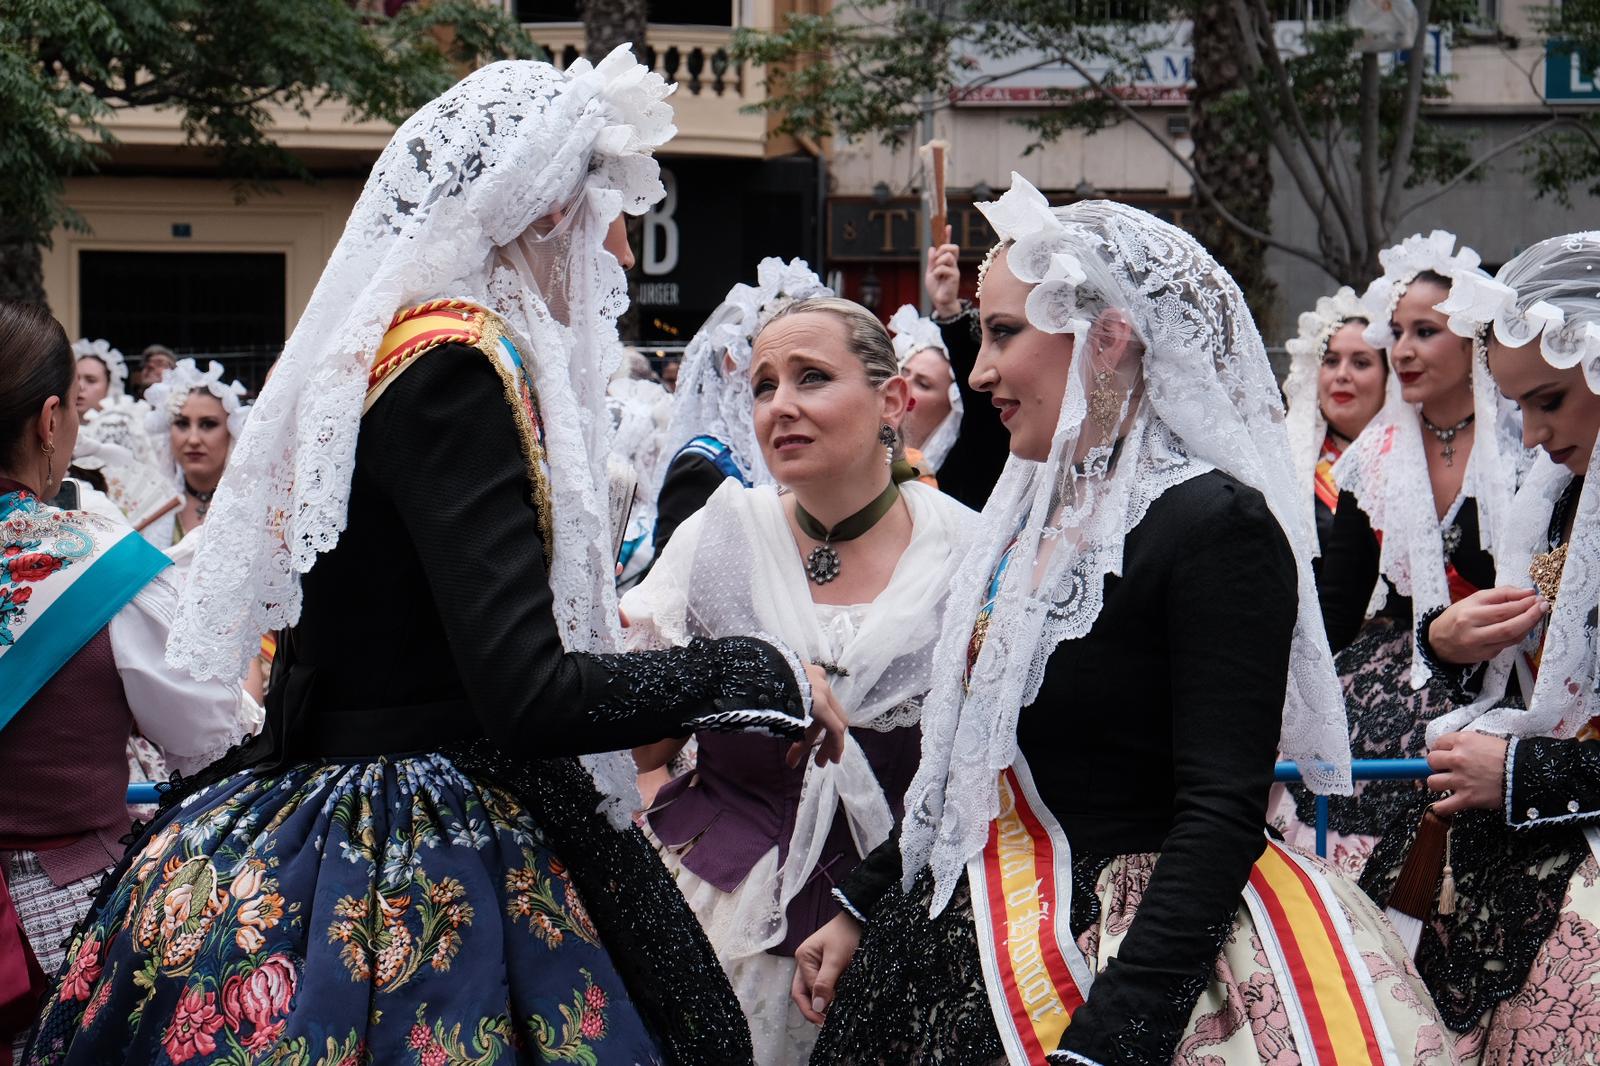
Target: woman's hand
[
  {"x": 827, "y": 721},
  {"x": 943, "y": 278},
  {"x": 818, "y": 962},
  {"x": 1472, "y": 768},
  {"x": 1478, "y": 628}
]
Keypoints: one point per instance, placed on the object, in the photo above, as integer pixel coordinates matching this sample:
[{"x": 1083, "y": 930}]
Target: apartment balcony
[{"x": 713, "y": 88}]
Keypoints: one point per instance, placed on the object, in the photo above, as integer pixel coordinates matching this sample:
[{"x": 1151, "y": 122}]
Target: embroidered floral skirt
[
  {"x": 914, "y": 993},
  {"x": 1387, "y": 721},
  {"x": 1554, "y": 1018},
  {"x": 1515, "y": 968},
  {"x": 389, "y": 911}
]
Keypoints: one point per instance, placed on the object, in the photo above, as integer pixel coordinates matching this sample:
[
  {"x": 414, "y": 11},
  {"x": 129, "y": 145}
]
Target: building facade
[{"x": 177, "y": 256}]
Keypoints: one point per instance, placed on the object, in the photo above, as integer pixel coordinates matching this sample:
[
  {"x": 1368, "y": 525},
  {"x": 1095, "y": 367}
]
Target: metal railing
[
  {"x": 1360, "y": 770},
  {"x": 1284, "y": 773}
]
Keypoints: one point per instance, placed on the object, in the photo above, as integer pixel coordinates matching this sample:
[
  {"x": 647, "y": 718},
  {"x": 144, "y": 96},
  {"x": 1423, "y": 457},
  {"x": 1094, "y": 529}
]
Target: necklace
[
  {"x": 822, "y": 563},
  {"x": 202, "y": 499},
  {"x": 1447, "y": 436}
]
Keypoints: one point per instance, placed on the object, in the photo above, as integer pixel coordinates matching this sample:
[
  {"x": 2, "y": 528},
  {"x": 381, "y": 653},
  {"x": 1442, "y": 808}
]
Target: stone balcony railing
[
  {"x": 713, "y": 90},
  {"x": 713, "y": 87}
]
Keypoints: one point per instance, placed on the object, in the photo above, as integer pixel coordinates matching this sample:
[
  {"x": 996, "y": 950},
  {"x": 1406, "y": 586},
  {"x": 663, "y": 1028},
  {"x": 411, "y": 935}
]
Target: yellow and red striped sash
[
  {"x": 1326, "y": 988},
  {"x": 1036, "y": 977},
  {"x": 419, "y": 329},
  {"x": 1327, "y": 489},
  {"x": 1021, "y": 899}
]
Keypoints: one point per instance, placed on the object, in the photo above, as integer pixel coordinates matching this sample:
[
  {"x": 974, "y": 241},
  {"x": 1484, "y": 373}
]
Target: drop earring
[
  {"x": 886, "y": 437},
  {"x": 1104, "y": 403},
  {"x": 49, "y": 450}
]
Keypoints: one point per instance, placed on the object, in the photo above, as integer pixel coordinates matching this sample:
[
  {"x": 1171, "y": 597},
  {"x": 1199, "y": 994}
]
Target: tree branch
[
  {"x": 1285, "y": 85},
  {"x": 1200, "y": 184},
  {"x": 1303, "y": 180},
  {"x": 1371, "y": 206},
  {"x": 1498, "y": 150},
  {"x": 1410, "y": 115}
]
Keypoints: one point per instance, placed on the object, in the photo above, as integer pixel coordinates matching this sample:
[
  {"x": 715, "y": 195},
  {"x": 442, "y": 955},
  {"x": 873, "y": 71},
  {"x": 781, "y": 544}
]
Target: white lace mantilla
[
  {"x": 1550, "y": 292},
  {"x": 1200, "y": 396},
  {"x": 913, "y": 334},
  {"x": 1307, "y": 425},
  {"x": 1386, "y": 467},
  {"x": 448, "y": 211}
]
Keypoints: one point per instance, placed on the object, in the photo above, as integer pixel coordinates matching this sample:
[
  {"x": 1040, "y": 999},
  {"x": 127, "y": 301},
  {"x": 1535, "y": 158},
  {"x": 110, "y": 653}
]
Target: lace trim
[{"x": 849, "y": 908}]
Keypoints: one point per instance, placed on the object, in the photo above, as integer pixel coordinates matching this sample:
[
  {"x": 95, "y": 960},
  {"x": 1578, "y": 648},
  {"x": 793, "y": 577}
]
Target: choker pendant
[
  {"x": 822, "y": 562},
  {"x": 1446, "y": 436}
]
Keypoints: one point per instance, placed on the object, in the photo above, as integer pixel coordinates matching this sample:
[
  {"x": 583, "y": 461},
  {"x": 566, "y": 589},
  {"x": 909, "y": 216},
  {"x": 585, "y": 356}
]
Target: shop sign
[
  {"x": 1163, "y": 73},
  {"x": 863, "y": 228},
  {"x": 1570, "y": 76}
]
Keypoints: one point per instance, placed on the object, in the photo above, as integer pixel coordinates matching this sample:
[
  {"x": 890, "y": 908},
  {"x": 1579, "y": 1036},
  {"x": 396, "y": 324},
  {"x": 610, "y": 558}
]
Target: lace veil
[
  {"x": 1550, "y": 294},
  {"x": 449, "y": 211},
  {"x": 912, "y": 334},
  {"x": 1306, "y": 423},
  {"x": 713, "y": 399},
  {"x": 1386, "y": 468},
  {"x": 1199, "y": 396},
  {"x": 111, "y": 358}
]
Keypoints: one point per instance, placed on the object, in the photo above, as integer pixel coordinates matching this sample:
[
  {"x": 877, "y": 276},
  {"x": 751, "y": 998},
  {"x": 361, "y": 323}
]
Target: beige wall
[
  {"x": 986, "y": 146},
  {"x": 301, "y": 222}
]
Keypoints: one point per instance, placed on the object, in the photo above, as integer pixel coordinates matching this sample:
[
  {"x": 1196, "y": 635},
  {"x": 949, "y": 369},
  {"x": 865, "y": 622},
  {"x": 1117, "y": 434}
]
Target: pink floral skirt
[{"x": 1554, "y": 1019}]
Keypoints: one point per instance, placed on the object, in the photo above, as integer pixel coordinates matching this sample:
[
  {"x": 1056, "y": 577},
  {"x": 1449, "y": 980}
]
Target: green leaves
[{"x": 65, "y": 65}]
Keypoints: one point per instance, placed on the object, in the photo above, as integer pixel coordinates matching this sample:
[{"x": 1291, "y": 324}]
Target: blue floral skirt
[{"x": 395, "y": 910}]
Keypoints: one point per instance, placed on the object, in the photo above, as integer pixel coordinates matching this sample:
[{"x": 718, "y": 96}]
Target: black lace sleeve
[
  {"x": 1465, "y": 683},
  {"x": 444, "y": 449},
  {"x": 864, "y": 886},
  {"x": 1552, "y": 782}
]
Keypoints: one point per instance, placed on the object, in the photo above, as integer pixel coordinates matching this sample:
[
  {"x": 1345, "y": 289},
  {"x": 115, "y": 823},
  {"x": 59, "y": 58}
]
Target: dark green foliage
[{"x": 66, "y": 65}]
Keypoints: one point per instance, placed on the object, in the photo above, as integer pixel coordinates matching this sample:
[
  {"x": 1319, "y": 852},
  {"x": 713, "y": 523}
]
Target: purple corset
[{"x": 741, "y": 800}]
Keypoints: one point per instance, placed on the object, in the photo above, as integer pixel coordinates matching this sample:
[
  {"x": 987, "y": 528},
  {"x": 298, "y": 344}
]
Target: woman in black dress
[
  {"x": 410, "y": 865},
  {"x": 1513, "y": 957},
  {"x": 1139, "y": 595},
  {"x": 1422, "y": 491}
]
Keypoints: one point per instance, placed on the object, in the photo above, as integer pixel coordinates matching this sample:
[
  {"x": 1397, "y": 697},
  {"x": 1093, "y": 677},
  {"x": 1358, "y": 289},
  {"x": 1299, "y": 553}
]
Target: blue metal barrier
[{"x": 1360, "y": 770}]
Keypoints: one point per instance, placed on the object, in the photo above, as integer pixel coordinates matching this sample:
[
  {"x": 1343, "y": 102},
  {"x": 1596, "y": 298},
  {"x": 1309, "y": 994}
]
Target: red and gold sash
[
  {"x": 1037, "y": 977},
  {"x": 415, "y": 331},
  {"x": 1327, "y": 489},
  {"x": 1327, "y": 990}
]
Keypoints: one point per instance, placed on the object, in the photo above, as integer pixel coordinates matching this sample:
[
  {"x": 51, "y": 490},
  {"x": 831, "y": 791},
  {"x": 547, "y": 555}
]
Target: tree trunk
[
  {"x": 606, "y": 24},
  {"x": 21, "y": 269},
  {"x": 1233, "y": 157}
]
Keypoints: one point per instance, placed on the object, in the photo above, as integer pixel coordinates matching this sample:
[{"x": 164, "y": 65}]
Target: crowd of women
[{"x": 883, "y": 695}]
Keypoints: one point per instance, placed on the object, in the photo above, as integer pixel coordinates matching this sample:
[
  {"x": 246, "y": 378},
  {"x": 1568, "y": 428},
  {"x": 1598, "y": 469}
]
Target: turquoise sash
[{"x": 99, "y": 567}]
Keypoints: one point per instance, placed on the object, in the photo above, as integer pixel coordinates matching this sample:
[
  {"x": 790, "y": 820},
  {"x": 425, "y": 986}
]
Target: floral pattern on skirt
[
  {"x": 389, "y": 911},
  {"x": 1554, "y": 1019}
]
